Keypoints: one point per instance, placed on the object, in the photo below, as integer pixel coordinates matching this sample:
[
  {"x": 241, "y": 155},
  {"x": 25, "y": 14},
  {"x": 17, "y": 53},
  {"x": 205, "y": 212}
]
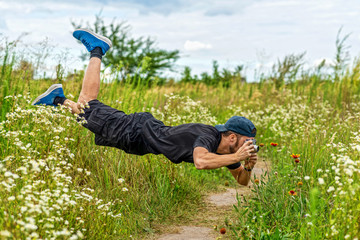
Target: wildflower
[
  {"x": 297, "y": 160},
  {"x": 273, "y": 144},
  {"x": 121, "y": 180},
  {"x": 331, "y": 189},
  {"x": 276, "y": 173},
  {"x": 256, "y": 181},
  {"x": 307, "y": 178},
  {"x": 295, "y": 156},
  {"x": 261, "y": 144},
  {"x": 300, "y": 183},
  {"x": 5, "y": 233},
  {"x": 30, "y": 226},
  {"x": 222, "y": 230},
  {"x": 80, "y": 234},
  {"x": 12, "y": 198},
  {"x": 292, "y": 193},
  {"x": 48, "y": 225},
  {"x": 124, "y": 189},
  {"x": 321, "y": 181},
  {"x": 73, "y": 237}
]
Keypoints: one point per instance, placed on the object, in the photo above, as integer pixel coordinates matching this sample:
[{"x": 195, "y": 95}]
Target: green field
[{"x": 55, "y": 183}]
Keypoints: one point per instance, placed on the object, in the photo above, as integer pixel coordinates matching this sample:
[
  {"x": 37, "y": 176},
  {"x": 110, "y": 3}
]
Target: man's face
[{"x": 234, "y": 147}]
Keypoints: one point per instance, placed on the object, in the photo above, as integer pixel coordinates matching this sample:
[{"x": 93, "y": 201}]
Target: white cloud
[
  {"x": 227, "y": 31},
  {"x": 196, "y": 45}
]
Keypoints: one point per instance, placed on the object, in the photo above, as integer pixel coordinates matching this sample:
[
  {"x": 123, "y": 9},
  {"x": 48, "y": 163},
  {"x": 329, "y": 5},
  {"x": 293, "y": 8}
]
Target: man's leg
[
  {"x": 90, "y": 86},
  {"x": 97, "y": 45},
  {"x": 91, "y": 83},
  {"x": 111, "y": 127}
]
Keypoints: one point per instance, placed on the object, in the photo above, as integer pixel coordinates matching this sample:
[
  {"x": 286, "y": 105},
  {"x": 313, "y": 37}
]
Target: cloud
[
  {"x": 155, "y": 3},
  {"x": 196, "y": 45},
  {"x": 146, "y": 7},
  {"x": 218, "y": 12},
  {"x": 228, "y": 30},
  {"x": 3, "y": 24}
]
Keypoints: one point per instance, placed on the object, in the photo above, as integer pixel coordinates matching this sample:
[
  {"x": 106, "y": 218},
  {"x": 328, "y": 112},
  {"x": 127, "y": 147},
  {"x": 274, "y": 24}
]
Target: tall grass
[
  {"x": 324, "y": 180},
  {"x": 48, "y": 162}
]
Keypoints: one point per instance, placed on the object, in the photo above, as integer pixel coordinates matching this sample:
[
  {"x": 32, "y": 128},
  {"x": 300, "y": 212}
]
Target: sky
[{"x": 253, "y": 33}]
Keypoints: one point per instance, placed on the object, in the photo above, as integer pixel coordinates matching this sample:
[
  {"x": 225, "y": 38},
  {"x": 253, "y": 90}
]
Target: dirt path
[{"x": 217, "y": 209}]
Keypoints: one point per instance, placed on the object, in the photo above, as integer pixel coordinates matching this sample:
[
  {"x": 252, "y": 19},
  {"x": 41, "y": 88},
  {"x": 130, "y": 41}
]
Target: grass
[{"x": 55, "y": 182}]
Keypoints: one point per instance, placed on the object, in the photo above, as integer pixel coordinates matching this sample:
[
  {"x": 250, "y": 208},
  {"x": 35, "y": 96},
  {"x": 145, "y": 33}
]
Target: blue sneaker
[
  {"x": 47, "y": 98},
  {"x": 92, "y": 40}
]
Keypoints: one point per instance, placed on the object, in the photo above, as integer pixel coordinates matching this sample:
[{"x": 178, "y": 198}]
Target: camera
[{"x": 256, "y": 147}]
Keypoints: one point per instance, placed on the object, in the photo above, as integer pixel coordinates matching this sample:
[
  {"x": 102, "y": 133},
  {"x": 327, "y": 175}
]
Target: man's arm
[
  {"x": 240, "y": 174},
  {"x": 203, "y": 159}
]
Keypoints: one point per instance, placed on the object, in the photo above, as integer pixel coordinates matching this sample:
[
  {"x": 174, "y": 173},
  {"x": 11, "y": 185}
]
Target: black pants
[{"x": 114, "y": 128}]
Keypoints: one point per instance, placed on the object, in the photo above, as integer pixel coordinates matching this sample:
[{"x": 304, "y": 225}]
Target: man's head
[{"x": 235, "y": 132}]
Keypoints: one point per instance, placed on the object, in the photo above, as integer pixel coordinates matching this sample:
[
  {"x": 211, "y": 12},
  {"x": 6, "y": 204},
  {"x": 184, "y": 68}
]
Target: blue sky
[{"x": 254, "y": 33}]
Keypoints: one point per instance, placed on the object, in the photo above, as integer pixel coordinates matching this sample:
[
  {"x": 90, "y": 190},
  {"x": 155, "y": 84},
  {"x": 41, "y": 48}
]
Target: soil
[{"x": 216, "y": 210}]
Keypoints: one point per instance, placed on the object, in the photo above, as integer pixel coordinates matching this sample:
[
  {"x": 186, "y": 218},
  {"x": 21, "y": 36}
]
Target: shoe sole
[
  {"x": 51, "y": 88},
  {"x": 105, "y": 39}
]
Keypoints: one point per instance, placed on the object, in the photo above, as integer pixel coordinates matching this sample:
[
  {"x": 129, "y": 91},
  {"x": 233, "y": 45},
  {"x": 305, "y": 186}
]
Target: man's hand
[
  {"x": 250, "y": 163},
  {"x": 245, "y": 151}
]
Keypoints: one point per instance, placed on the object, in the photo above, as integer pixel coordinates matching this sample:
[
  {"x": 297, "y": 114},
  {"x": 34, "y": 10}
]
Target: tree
[
  {"x": 226, "y": 78},
  {"x": 215, "y": 75},
  {"x": 186, "y": 75},
  {"x": 132, "y": 58},
  {"x": 238, "y": 75}
]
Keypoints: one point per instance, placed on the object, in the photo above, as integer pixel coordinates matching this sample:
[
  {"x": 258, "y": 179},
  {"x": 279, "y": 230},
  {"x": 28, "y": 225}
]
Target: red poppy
[
  {"x": 223, "y": 231},
  {"x": 292, "y": 193},
  {"x": 273, "y": 144}
]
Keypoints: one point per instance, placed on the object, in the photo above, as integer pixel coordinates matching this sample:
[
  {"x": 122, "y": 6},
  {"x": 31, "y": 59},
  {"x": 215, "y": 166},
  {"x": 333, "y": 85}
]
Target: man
[{"x": 206, "y": 146}]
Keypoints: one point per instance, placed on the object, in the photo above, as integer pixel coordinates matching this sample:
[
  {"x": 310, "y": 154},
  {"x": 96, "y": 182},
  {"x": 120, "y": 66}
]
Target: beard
[{"x": 232, "y": 148}]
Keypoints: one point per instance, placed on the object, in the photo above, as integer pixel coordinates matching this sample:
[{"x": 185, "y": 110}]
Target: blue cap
[{"x": 240, "y": 125}]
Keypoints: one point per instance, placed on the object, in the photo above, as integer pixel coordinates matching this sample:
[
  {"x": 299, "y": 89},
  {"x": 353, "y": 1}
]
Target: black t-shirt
[{"x": 177, "y": 143}]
